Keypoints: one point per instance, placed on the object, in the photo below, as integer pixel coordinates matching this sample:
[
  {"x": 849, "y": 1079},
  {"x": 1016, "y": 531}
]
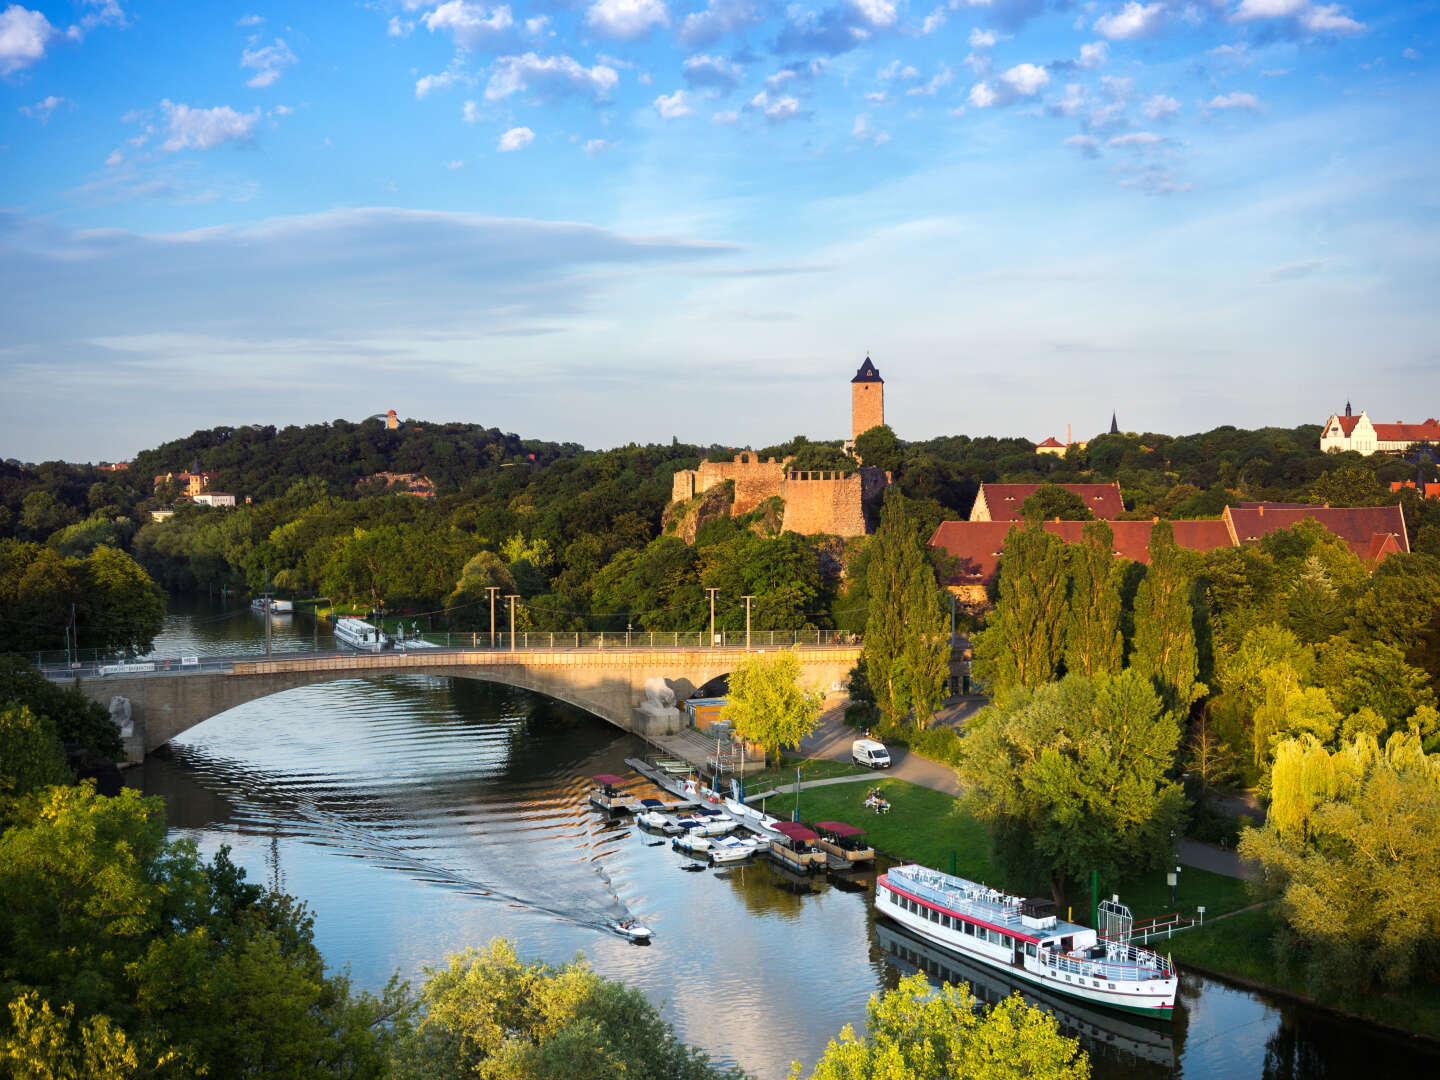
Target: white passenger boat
[
  {"x": 359, "y": 634},
  {"x": 1024, "y": 939}
]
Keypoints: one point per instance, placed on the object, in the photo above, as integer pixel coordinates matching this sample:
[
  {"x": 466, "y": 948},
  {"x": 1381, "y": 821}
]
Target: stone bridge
[{"x": 609, "y": 683}]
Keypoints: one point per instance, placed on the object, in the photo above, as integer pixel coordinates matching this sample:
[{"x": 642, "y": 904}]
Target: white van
[{"x": 870, "y": 753}]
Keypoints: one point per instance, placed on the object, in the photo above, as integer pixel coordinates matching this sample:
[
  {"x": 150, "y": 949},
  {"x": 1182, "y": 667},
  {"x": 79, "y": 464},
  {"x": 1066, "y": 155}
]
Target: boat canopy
[
  {"x": 651, "y": 802},
  {"x": 839, "y": 828},
  {"x": 795, "y": 831},
  {"x": 607, "y": 779}
]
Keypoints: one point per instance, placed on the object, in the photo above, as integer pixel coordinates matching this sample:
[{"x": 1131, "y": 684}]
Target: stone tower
[{"x": 867, "y": 400}]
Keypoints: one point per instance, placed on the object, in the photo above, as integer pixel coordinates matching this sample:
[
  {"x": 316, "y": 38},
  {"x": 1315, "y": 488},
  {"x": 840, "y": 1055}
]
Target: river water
[{"x": 418, "y": 816}]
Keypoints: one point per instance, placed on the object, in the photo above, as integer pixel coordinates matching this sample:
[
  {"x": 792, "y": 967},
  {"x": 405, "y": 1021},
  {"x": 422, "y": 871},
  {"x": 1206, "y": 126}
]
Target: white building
[
  {"x": 215, "y": 498},
  {"x": 1364, "y": 436}
]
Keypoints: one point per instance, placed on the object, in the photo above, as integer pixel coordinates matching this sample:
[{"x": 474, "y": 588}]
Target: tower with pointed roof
[
  {"x": 1114, "y": 427},
  {"x": 867, "y": 400}
]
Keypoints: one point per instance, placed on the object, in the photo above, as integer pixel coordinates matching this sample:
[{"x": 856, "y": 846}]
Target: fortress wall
[
  {"x": 824, "y": 502},
  {"x": 755, "y": 480}
]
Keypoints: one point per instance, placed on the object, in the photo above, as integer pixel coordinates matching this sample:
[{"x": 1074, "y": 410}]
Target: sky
[{"x": 614, "y": 221}]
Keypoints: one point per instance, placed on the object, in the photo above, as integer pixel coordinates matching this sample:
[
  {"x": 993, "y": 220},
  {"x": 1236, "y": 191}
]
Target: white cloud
[
  {"x": 878, "y": 97},
  {"x": 453, "y": 165},
  {"x": 1330, "y": 19},
  {"x": 1087, "y": 145},
  {"x": 268, "y": 63},
  {"x": 1269, "y": 9},
  {"x": 398, "y": 27},
  {"x": 1161, "y": 107},
  {"x": 515, "y": 139},
  {"x": 41, "y": 110},
  {"x": 110, "y": 14},
  {"x": 1411, "y": 54},
  {"x": 1235, "y": 100},
  {"x": 893, "y": 70},
  {"x": 934, "y": 21},
  {"x": 862, "y": 131},
  {"x": 23, "y": 37},
  {"x": 729, "y": 116},
  {"x": 282, "y": 110},
  {"x": 250, "y": 20},
  {"x": 538, "y": 25},
  {"x": 626, "y": 20},
  {"x": 470, "y": 24},
  {"x": 115, "y": 158},
  {"x": 983, "y": 39},
  {"x": 879, "y": 14},
  {"x": 1117, "y": 87},
  {"x": 1075, "y": 101},
  {"x": 548, "y": 76},
  {"x": 777, "y": 111},
  {"x": 983, "y": 96},
  {"x": 720, "y": 17},
  {"x": 1026, "y": 79},
  {"x": 597, "y": 146},
  {"x": 1094, "y": 54},
  {"x": 673, "y": 106},
  {"x": 1134, "y": 20},
  {"x": 941, "y": 78},
  {"x": 1136, "y": 139},
  {"x": 471, "y": 113},
  {"x": 203, "y": 129},
  {"x": 703, "y": 70},
  {"x": 428, "y": 84}
]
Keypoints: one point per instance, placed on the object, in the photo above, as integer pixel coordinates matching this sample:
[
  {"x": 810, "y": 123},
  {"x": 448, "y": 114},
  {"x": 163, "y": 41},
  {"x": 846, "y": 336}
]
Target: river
[{"x": 418, "y": 816}]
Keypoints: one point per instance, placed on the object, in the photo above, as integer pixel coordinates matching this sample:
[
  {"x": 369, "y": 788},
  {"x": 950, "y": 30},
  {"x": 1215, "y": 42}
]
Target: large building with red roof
[
  {"x": 1002, "y": 502},
  {"x": 1364, "y": 436},
  {"x": 1371, "y": 532}
]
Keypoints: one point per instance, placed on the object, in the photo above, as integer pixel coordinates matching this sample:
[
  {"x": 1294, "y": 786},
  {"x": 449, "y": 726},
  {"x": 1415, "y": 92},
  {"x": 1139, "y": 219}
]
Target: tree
[
  {"x": 1093, "y": 644},
  {"x": 766, "y": 704},
  {"x": 878, "y": 448},
  {"x": 42, "y": 1045},
  {"x": 1352, "y": 851},
  {"x": 1022, "y": 644},
  {"x": 126, "y": 608},
  {"x": 907, "y": 640},
  {"x": 1208, "y": 758},
  {"x": 1375, "y": 677},
  {"x": 488, "y": 1014},
  {"x": 1349, "y": 485},
  {"x": 1075, "y": 776},
  {"x": 468, "y": 607},
  {"x": 916, "y": 1033},
  {"x": 1164, "y": 648},
  {"x": 1051, "y": 502},
  {"x": 31, "y": 756},
  {"x": 75, "y": 718}
]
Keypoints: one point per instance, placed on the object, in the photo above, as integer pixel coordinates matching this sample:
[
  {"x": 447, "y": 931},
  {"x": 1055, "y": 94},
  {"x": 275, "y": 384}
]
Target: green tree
[
  {"x": 31, "y": 756},
  {"x": 126, "y": 608},
  {"x": 1349, "y": 485},
  {"x": 1074, "y": 776},
  {"x": 1375, "y": 677},
  {"x": 1051, "y": 502},
  {"x": 490, "y": 1015},
  {"x": 878, "y": 448},
  {"x": 1022, "y": 644},
  {"x": 75, "y": 718},
  {"x": 1164, "y": 648},
  {"x": 1093, "y": 644},
  {"x": 468, "y": 606},
  {"x": 916, "y": 1033},
  {"x": 44, "y": 1044},
  {"x": 907, "y": 642},
  {"x": 1352, "y": 851},
  {"x": 766, "y": 703}
]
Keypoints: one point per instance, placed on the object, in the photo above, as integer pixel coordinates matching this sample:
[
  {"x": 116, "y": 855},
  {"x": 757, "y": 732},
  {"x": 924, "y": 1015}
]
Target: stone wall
[
  {"x": 815, "y": 502},
  {"x": 755, "y": 480}
]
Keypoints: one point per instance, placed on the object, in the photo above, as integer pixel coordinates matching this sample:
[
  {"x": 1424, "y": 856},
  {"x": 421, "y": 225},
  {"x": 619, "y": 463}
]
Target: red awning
[
  {"x": 795, "y": 831},
  {"x": 608, "y": 778},
  {"x": 839, "y": 828}
]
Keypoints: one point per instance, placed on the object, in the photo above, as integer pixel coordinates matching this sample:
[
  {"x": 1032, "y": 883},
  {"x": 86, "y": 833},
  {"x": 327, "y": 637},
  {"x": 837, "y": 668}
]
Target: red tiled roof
[
  {"x": 977, "y": 544},
  {"x": 1004, "y": 500},
  {"x": 1347, "y": 423},
  {"x": 1380, "y": 546},
  {"x": 1356, "y": 525},
  {"x": 1429, "y": 431},
  {"x": 1050, "y": 441}
]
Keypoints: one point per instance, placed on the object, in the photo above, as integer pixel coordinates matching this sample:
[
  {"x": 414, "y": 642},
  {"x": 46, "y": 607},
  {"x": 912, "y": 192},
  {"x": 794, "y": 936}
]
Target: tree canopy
[{"x": 766, "y": 703}]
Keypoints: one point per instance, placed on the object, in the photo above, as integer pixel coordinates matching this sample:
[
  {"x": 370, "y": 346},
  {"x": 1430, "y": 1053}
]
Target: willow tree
[
  {"x": 1093, "y": 643},
  {"x": 1023, "y": 642},
  {"x": 1164, "y": 649},
  {"x": 907, "y": 640}
]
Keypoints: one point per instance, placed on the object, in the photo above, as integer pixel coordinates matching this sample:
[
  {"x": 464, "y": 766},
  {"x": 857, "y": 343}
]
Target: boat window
[
  {"x": 970, "y": 929},
  {"x": 1030, "y": 948}
]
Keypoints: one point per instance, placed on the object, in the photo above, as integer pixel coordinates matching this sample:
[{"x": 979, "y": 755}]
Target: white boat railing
[
  {"x": 1121, "y": 962},
  {"x": 979, "y": 900}
]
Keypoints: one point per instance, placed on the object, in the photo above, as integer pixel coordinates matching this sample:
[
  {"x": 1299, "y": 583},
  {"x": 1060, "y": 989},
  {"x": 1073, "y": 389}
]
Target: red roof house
[
  {"x": 1002, "y": 502},
  {"x": 1363, "y": 528}
]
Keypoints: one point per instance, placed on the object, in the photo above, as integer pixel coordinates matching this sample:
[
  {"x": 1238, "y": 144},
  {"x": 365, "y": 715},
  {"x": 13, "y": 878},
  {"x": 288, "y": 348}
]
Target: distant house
[
  {"x": 191, "y": 483},
  {"x": 161, "y": 515},
  {"x": 1051, "y": 445},
  {"x": 118, "y": 466},
  {"x": 215, "y": 498},
  {"x": 1002, "y": 502},
  {"x": 1427, "y": 491},
  {"x": 399, "y": 484},
  {"x": 1364, "y": 436}
]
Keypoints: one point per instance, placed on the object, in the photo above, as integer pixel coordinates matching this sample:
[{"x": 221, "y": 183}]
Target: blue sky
[{"x": 623, "y": 220}]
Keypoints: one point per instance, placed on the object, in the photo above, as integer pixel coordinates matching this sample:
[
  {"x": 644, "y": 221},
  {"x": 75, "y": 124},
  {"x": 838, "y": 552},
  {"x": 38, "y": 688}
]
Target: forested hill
[{"x": 263, "y": 461}]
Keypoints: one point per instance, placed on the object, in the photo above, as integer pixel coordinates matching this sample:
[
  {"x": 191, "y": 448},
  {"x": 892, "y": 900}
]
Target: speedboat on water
[{"x": 629, "y": 928}]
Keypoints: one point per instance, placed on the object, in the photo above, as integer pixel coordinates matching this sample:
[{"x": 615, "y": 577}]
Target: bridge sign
[{"x": 127, "y": 669}]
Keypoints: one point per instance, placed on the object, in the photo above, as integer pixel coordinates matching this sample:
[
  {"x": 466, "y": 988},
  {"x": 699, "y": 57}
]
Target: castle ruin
[{"x": 828, "y": 502}]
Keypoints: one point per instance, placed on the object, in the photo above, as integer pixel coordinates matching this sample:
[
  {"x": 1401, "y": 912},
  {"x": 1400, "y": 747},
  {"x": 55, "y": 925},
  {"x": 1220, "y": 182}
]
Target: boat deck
[{"x": 980, "y": 901}]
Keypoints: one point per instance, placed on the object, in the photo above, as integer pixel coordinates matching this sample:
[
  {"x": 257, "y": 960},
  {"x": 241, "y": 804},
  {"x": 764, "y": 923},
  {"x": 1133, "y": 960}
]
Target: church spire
[{"x": 1114, "y": 427}]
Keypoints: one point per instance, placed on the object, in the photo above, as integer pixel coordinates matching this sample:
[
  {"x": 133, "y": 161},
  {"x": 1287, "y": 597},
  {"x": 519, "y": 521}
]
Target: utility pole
[
  {"x": 512, "y": 597},
  {"x": 747, "y": 600},
  {"x": 712, "y": 593},
  {"x": 72, "y": 651},
  {"x": 492, "y": 590}
]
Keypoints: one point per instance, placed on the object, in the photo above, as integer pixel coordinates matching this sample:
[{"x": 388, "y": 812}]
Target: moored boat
[
  {"x": 733, "y": 849},
  {"x": 843, "y": 844},
  {"x": 795, "y": 848},
  {"x": 1027, "y": 941},
  {"x": 359, "y": 634},
  {"x": 603, "y": 794},
  {"x": 692, "y": 842}
]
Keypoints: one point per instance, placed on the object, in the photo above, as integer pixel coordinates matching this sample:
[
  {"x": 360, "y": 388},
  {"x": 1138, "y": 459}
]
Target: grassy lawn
[
  {"x": 922, "y": 825},
  {"x": 1243, "y": 946},
  {"x": 1150, "y": 896},
  {"x": 810, "y": 769}
]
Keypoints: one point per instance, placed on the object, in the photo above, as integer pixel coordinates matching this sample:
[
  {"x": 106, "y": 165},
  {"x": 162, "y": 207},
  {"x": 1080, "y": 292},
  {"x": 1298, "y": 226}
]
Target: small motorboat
[
  {"x": 653, "y": 819},
  {"x": 731, "y": 849},
  {"x": 691, "y": 842},
  {"x": 629, "y": 928}
]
